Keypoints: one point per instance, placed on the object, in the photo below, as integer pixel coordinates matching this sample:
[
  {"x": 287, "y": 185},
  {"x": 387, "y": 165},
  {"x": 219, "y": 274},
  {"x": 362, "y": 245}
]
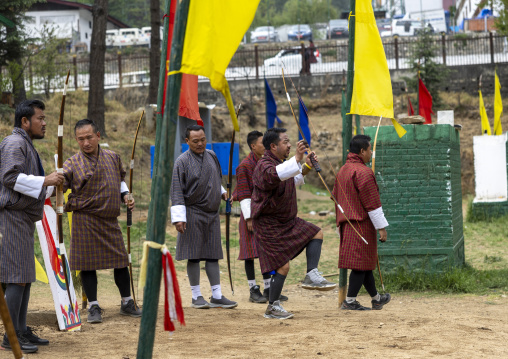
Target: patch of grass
[{"x": 314, "y": 190}]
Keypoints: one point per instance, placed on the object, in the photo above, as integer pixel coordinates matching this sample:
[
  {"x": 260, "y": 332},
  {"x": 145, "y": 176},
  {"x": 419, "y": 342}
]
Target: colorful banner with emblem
[{"x": 68, "y": 316}]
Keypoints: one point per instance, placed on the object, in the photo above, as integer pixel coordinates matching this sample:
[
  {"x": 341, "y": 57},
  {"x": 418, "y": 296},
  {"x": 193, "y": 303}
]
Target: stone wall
[{"x": 419, "y": 180}]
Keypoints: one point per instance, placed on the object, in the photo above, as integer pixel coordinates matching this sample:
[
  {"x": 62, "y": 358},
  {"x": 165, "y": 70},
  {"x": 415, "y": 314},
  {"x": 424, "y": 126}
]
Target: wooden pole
[
  {"x": 347, "y": 123},
  {"x": 162, "y": 184}
]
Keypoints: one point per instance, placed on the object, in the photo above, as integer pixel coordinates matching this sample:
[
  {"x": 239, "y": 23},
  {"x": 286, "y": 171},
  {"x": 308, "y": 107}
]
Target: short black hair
[
  {"x": 272, "y": 136},
  {"x": 26, "y": 109},
  {"x": 358, "y": 143},
  {"x": 86, "y": 122},
  {"x": 252, "y": 137},
  {"x": 193, "y": 128}
]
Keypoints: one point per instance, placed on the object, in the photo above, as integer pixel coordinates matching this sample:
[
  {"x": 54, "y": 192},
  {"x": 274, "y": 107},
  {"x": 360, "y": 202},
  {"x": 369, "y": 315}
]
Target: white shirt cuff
[
  {"x": 222, "y": 190},
  {"x": 378, "y": 219},
  {"x": 178, "y": 214},
  {"x": 288, "y": 169},
  {"x": 299, "y": 180},
  {"x": 123, "y": 187},
  {"x": 30, "y": 186},
  {"x": 49, "y": 191},
  {"x": 245, "y": 206}
]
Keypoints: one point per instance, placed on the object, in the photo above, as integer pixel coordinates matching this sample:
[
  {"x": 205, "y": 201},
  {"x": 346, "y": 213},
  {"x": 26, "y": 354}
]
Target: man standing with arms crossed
[{"x": 23, "y": 190}]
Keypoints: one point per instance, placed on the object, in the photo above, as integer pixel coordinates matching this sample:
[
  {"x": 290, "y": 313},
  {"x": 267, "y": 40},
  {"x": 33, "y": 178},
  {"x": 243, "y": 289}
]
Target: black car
[{"x": 337, "y": 29}]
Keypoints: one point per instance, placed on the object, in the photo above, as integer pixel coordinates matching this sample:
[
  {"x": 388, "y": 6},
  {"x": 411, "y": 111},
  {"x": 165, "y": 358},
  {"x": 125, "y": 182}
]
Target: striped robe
[
  {"x": 357, "y": 192},
  {"x": 279, "y": 233},
  {"x": 96, "y": 238},
  {"x": 18, "y": 212},
  {"x": 196, "y": 191},
  {"x": 243, "y": 190}
]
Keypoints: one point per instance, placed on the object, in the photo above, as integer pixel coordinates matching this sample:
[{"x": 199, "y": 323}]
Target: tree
[
  {"x": 502, "y": 21},
  {"x": 425, "y": 49},
  {"x": 96, "y": 106},
  {"x": 13, "y": 44},
  {"x": 155, "y": 54}
]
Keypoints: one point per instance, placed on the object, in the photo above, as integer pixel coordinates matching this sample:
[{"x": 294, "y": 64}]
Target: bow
[
  {"x": 315, "y": 163},
  {"x": 228, "y": 203},
  {"x": 129, "y": 211},
  {"x": 374, "y": 171},
  {"x": 59, "y": 193}
]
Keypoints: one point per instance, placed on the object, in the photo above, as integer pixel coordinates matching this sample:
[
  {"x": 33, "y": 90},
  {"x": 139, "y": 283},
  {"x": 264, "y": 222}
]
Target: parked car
[
  {"x": 404, "y": 27},
  {"x": 291, "y": 57},
  {"x": 264, "y": 34},
  {"x": 337, "y": 29},
  {"x": 384, "y": 25},
  {"x": 300, "y": 32}
]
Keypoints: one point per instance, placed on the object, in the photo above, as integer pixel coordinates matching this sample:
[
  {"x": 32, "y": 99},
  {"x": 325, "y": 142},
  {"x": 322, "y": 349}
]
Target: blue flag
[
  {"x": 304, "y": 123},
  {"x": 271, "y": 107}
]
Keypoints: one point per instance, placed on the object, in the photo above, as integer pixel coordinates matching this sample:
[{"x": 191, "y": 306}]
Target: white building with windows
[{"x": 70, "y": 20}]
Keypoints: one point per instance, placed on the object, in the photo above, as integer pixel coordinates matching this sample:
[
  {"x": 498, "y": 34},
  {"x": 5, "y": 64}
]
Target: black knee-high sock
[
  {"x": 193, "y": 272},
  {"x": 23, "y": 310},
  {"x": 14, "y": 297},
  {"x": 123, "y": 281},
  {"x": 369, "y": 283},
  {"x": 276, "y": 286},
  {"x": 212, "y": 271},
  {"x": 356, "y": 279},
  {"x": 313, "y": 253},
  {"x": 89, "y": 281},
  {"x": 249, "y": 269}
]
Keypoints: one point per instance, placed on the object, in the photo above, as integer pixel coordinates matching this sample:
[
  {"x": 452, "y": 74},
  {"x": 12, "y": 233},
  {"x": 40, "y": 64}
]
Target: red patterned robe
[
  {"x": 243, "y": 190},
  {"x": 279, "y": 233},
  {"x": 357, "y": 192}
]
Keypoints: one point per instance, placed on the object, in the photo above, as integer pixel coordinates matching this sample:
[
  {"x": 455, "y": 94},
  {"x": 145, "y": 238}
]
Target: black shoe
[
  {"x": 266, "y": 294},
  {"x": 26, "y": 346},
  {"x": 378, "y": 304},
  {"x": 352, "y": 306},
  {"x": 34, "y": 339},
  {"x": 256, "y": 296}
]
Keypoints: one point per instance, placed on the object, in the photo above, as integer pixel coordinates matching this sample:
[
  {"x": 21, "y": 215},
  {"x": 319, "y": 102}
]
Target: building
[
  {"x": 70, "y": 20},
  {"x": 470, "y": 9}
]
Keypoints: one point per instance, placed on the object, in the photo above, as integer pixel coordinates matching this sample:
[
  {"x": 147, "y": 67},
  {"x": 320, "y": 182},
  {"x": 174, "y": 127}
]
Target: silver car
[{"x": 264, "y": 34}]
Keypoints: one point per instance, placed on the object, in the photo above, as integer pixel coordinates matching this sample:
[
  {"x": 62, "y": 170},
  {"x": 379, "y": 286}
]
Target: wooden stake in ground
[
  {"x": 161, "y": 185},
  {"x": 347, "y": 121}
]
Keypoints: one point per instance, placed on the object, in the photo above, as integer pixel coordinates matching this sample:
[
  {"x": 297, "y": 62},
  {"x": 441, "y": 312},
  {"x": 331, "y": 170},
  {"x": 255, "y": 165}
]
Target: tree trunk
[
  {"x": 96, "y": 107},
  {"x": 155, "y": 54},
  {"x": 16, "y": 68}
]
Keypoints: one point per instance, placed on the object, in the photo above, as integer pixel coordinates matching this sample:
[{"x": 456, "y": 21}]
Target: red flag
[
  {"x": 410, "y": 110},
  {"x": 189, "y": 107},
  {"x": 424, "y": 102}
]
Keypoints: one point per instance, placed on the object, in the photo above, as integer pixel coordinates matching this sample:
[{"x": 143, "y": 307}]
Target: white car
[
  {"x": 291, "y": 57},
  {"x": 403, "y": 27},
  {"x": 264, "y": 34}
]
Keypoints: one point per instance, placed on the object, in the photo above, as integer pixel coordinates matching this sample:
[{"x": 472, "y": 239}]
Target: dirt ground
[{"x": 410, "y": 326}]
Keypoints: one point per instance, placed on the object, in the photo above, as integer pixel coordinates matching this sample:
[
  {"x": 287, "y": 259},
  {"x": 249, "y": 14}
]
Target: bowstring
[{"x": 141, "y": 173}]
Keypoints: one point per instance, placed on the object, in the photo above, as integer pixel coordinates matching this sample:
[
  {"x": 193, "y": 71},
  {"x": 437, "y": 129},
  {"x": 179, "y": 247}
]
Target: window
[
  {"x": 86, "y": 35},
  {"x": 90, "y": 24}
]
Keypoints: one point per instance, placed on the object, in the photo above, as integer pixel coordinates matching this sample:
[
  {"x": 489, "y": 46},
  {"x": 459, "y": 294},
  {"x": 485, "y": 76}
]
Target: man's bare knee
[
  {"x": 284, "y": 270},
  {"x": 319, "y": 235}
]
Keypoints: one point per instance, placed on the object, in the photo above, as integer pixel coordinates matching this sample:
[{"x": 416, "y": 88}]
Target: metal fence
[{"x": 259, "y": 61}]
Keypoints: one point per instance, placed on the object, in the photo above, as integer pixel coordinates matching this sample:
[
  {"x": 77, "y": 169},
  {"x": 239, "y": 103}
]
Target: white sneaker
[{"x": 315, "y": 281}]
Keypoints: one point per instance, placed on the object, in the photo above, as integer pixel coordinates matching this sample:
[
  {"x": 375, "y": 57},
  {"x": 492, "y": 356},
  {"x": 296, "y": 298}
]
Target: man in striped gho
[
  {"x": 196, "y": 193},
  {"x": 279, "y": 233},
  {"x": 23, "y": 190},
  {"x": 96, "y": 179},
  {"x": 243, "y": 193},
  {"x": 357, "y": 191}
]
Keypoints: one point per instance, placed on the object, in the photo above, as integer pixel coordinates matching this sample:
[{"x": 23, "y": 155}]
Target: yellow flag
[
  {"x": 483, "y": 115},
  {"x": 372, "y": 86},
  {"x": 40, "y": 273},
  {"x": 498, "y": 107},
  {"x": 214, "y": 31}
]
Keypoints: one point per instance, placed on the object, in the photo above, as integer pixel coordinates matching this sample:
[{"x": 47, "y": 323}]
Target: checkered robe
[
  {"x": 18, "y": 212},
  {"x": 96, "y": 238},
  {"x": 279, "y": 233},
  {"x": 357, "y": 192},
  {"x": 243, "y": 190},
  {"x": 196, "y": 184}
]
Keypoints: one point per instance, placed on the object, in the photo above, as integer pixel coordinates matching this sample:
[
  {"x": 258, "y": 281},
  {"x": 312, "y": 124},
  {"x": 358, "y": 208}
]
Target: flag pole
[
  {"x": 161, "y": 184},
  {"x": 347, "y": 122},
  {"x": 160, "y": 96}
]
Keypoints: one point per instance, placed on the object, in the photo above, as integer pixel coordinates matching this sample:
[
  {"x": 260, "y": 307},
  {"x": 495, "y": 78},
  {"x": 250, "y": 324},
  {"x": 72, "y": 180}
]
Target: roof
[{"x": 66, "y": 5}]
